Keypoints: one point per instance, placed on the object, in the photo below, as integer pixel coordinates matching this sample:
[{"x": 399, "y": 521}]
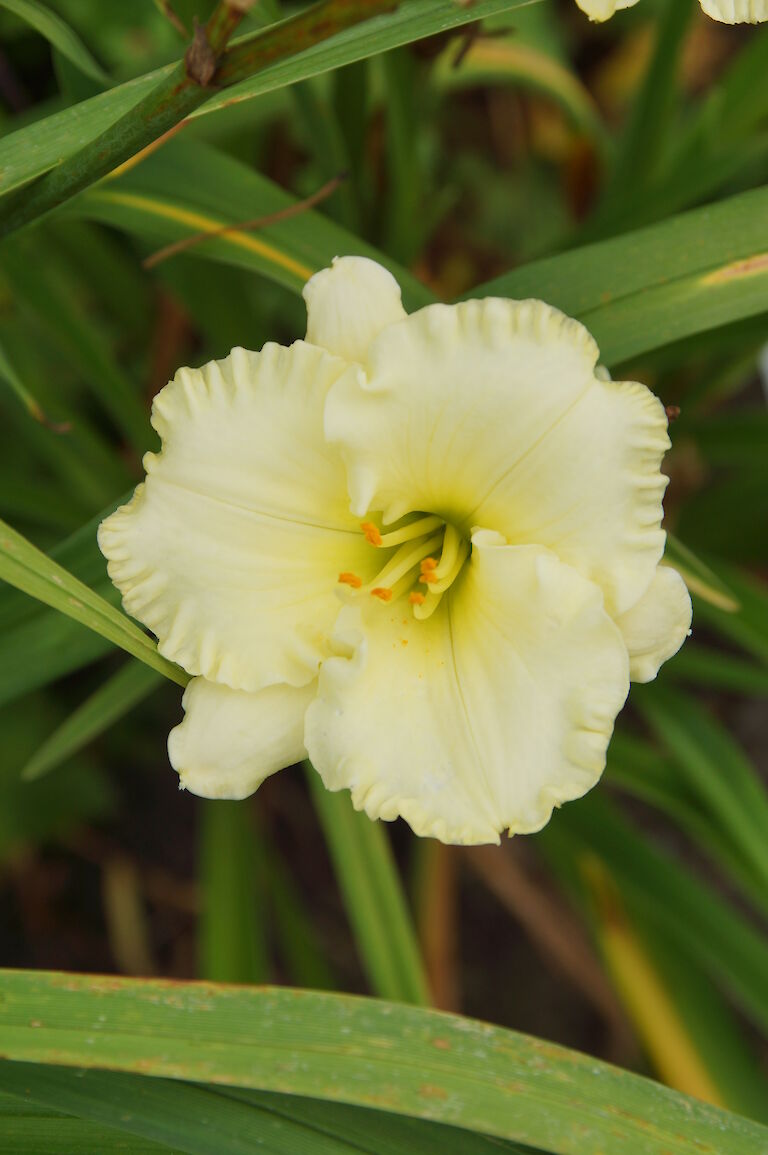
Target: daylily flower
[
  {"x": 424, "y": 549},
  {"x": 726, "y": 11}
]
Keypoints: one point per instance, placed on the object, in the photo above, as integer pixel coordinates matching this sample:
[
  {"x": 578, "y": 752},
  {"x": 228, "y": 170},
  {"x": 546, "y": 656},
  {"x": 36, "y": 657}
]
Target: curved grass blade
[
  {"x": 42, "y": 287},
  {"x": 41, "y": 649},
  {"x": 112, "y": 701},
  {"x": 749, "y": 627},
  {"x": 29, "y": 570},
  {"x": 638, "y": 770},
  {"x": 715, "y": 769},
  {"x": 508, "y": 61},
  {"x": 703, "y": 666},
  {"x": 642, "y": 145},
  {"x": 58, "y": 33},
  {"x": 14, "y": 381},
  {"x": 219, "y": 190},
  {"x": 649, "y": 1003},
  {"x": 700, "y": 923},
  {"x": 364, "y": 1052},
  {"x": 700, "y": 578}
]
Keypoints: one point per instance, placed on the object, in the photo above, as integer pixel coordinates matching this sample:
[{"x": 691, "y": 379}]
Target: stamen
[
  {"x": 415, "y": 559},
  {"x": 427, "y": 606},
  {"x": 452, "y": 543},
  {"x": 351, "y": 579},
  {"x": 442, "y": 583},
  {"x": 405, "y": 559},
  {"x": 419, "y": 528}
]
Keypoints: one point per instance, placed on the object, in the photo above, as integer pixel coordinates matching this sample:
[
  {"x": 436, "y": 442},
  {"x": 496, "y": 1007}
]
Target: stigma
[{"x": 424, "y": 558}]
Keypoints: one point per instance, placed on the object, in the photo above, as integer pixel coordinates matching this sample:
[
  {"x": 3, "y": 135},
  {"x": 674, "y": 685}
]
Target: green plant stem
[
  {"x": 231, "y": 938},
  {"x": 373, "y": 896},
  {"x": 403, "y": 222},
  {"x": 205, "y": 69}
]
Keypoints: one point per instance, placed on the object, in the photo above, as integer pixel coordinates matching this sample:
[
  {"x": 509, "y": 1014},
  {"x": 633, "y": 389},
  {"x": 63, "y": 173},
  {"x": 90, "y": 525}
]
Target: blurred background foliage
[{"x": 633, "y": 927}]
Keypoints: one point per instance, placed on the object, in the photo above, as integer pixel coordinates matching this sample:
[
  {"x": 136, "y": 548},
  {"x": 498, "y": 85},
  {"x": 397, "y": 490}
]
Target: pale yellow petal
[
  {"x": 492, "y": 412},
  {"x": 657, "y": 625},
  {"x": 231, "y": 740},
  {"x": 349, "y": 304},
  {"x": 482, "y": 718},
  {"x": 603, "y": 9},
  {"x": 736, "y": 11},
  {"x": 230, "y": 551}
]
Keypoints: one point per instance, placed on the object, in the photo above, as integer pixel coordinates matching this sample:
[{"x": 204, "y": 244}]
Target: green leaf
[
  {"x": 508, "y": 61},
  {"x": 34, "y": 813},
  {"x": 207, "y": 1120},
  {"x": 364, "y": 1052},
  {"x": 718, "y": 141},
  {"x": 638, "y": 769},
  {"x": 189, "y": 187},
  {"x": 119, "y": 694},
  {"x": 659, "y": 284},
  {"x": 50, "y": 25},
  {"x": 642, "y": 142},
  {"x": 37, "y": 644},
  {"x": 41, "y": 146},
  {"x": 46, "y": 290},
  {"x": 701, "y": 579},
  {"x": 715, "y": 768},
  {"x": 697, "y": 920},
  {"x": 29, "y": 1128},
  {"x": 713, "y": 1028},
  {"x": 43, "y": 648},
  {"x": 719, "y": 671},
  {"x": 12, "y": 378},
  {"x": 748, "y": 627},
  {"x": 29, "y": 570},
  {"x": 80, "y": 554}
]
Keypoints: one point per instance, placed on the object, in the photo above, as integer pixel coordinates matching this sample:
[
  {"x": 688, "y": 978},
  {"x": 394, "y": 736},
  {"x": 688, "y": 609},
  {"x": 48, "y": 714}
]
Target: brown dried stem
[{"x": 293, "y": 210}]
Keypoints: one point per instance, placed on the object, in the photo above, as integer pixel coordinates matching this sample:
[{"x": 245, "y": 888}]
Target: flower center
[{"x": 426, "y": 558}]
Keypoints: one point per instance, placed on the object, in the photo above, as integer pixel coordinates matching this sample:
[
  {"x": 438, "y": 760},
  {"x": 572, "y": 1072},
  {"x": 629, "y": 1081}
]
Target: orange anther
[
  {"x": 351, "y": 579},
  {"x": 372, "y": 533},
  {"x": 383, "y": 593},
  {"x": 428, "y": 577},
  {"x": 428, "y": 563},
  {"x": 416, "y": 599}
]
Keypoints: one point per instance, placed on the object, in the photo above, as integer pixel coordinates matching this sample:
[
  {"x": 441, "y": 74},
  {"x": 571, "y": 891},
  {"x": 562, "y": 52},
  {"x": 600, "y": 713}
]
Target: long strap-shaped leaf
[
  {"x": 180, "y": 92},
  {"x": 29, "y": 570},
  {"x": 365, "y": 1052},
  {"x": 50, "y": 25},
  {"x": 635, "y": 293},
  {"x": 34, "y": 150},
  {"x": 641, "y": 291},
  {"x": 206, "y": 1120}
]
